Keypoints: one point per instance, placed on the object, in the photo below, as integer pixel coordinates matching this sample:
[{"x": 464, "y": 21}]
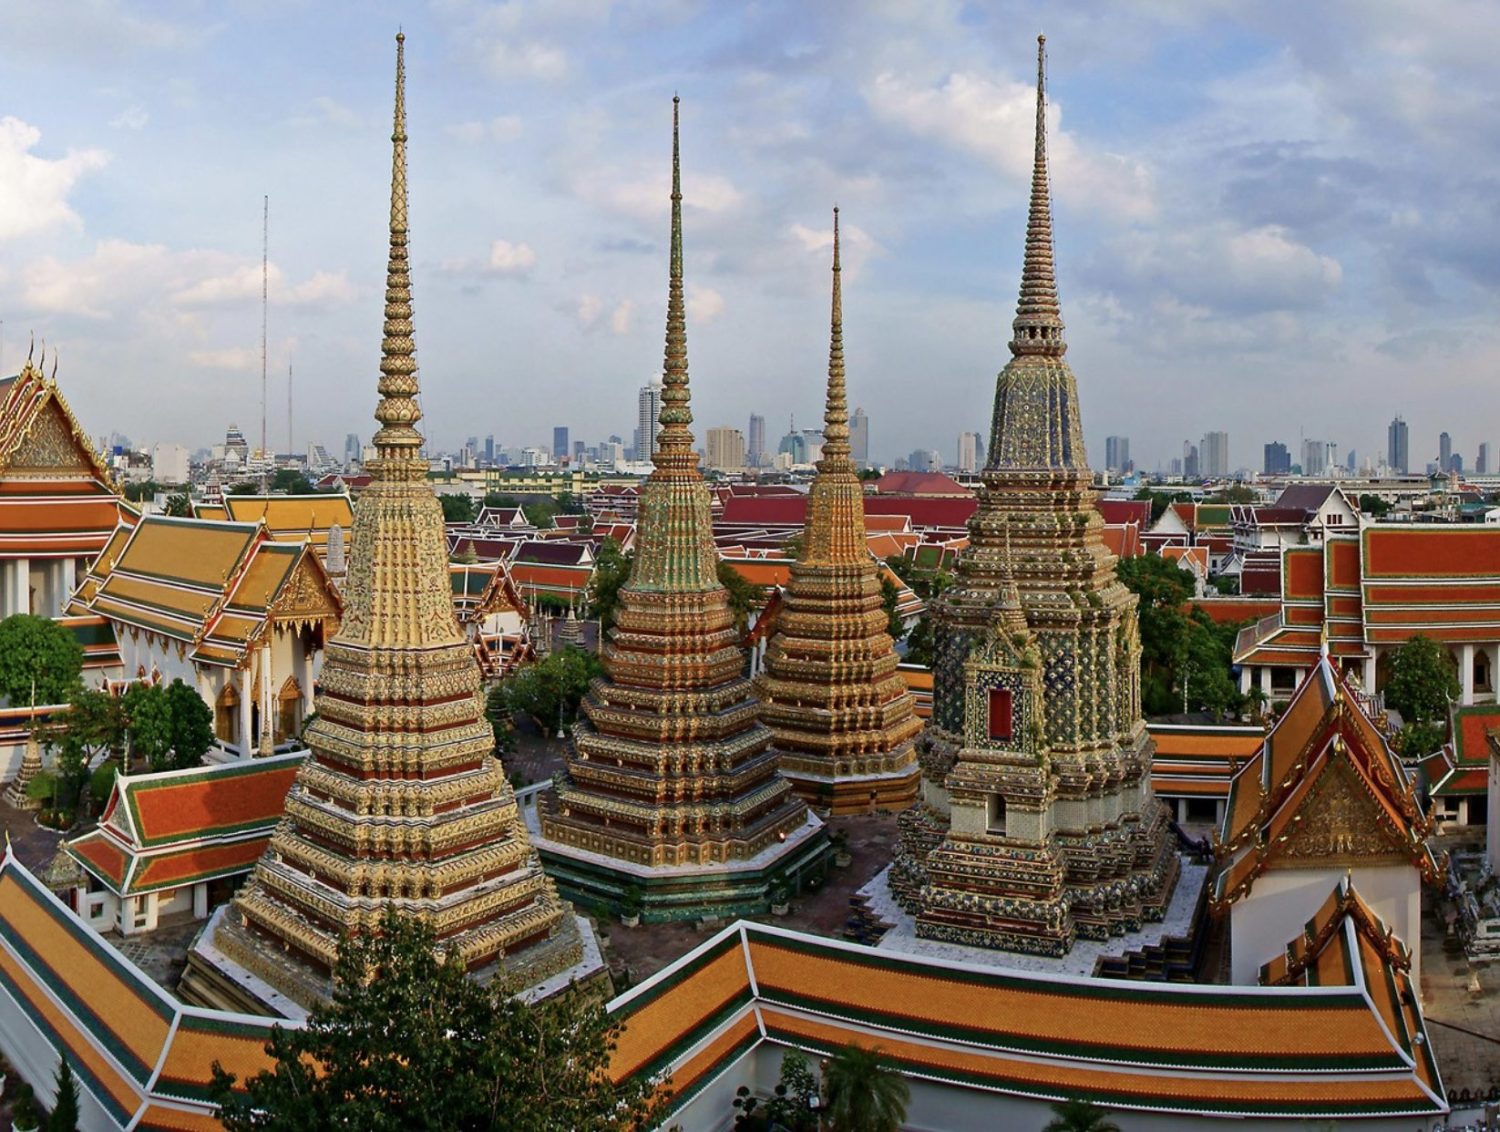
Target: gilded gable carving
[{"x": 50, "y": 445}]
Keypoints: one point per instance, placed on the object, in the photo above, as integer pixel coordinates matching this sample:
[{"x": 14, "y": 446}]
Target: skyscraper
[
  {"x": 1482, "y": 460},
  {"x": 648, "y": 410},
  {"x": 1396, "y": 455},
  {"x": 1192, "y": 461},
  {"x": 755, "y": 441},
  {"x": 1117, "y": 454},
  {"x": 968, "y": 452},
  {"x": 351, "y": 448},
  {"x": 1213, "y": 454},
  {"x": 1278, "y": 461},
  {"x": 1445, "y": 452},
  {"x": 726, "y": 449},
  {"x": 561, "y": 449},
  {"x": 1314, "y": 458},
  {"x": 489, "y": 449},
  {"x": 859, "y": 438}
]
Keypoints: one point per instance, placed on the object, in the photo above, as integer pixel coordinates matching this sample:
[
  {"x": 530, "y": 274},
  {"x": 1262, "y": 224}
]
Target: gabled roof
[
  {"x": 38, "y": 431},
  {"x": 1305, "y": 1053},
  {"x": 1461, "y": 767},
  {"x": 483, "y": 588},
  {"x": 921, "y": 483},
  {"x": 293, "y": 518},
  {"x": 1440, "y": 581},
  {"x": 1324, "y": 954},
  {"x": 181, "y": 827},
  {"x": 1125, "y": 511},
  {"x": 1306, "y": 498},
  {"x": 1324, "y": 753},
  {"x": 211, "y": 585},
  {"x": 1200, "y": 760}
]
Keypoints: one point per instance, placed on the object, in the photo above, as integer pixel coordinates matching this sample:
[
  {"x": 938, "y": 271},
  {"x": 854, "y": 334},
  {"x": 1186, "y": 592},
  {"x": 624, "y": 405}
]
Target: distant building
[
  {"x": 561, "y": 449},
  {"x": 169, "y": 464},
  {"x": 1192, "y": 465},
  {"x": 1445, "y": 452},
  {"x": 1278, "y": 461},
  {"x": 925, "y": 460},
  {"x": 813, "y": 437},
  {"x": 1213, "y": 455},
  {"x": 1117, "y": 453},
  {"x": 352, "y": 450},
  {"x": 1397, "y": 455},
  {"x": 489, "y": 450},
  {"x": 1482, "y": 460},
  {"x": 859, "y": 438},
  {"x": 1314, "y": 458},
  {"x": 755, "y": 446},
  {"x": 648, "y": 409},
  {"x": 794, "y": 447},
  {"x": 726, "y": 449},
  {"x": 968, "y": 452}
]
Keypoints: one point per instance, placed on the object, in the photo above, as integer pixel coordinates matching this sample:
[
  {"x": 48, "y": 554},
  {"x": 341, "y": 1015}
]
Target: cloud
[
  {"x": 620, "y": 319},
  {"x": 323, "y": 288},
  {"x": 996, "y": 122},
  {"x": 703, "y": 304},
  {"x": 526, "y": 60},
  {"x": 33, "y": 190},
  {"x": 325, "y": 111},
  {"x": 507, "y": 258},
  {"x": 507, "y": 127},
  {"x": 238, "y": 359},
  {"x": 587, "y": 310},
  {"x": 643, "y": 195},
  {"x": 131, "y": 118},
  {"x": 856, "y": 246}
]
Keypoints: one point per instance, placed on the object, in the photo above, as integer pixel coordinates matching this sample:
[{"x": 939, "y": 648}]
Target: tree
[
  {"x": 289, "y": 481},
  {"x": 890, "y": 598},
  {"x": 1374, "y": 506},
  {"x": 40, "y": 661},
  {"x": 148, "y": 724},
  {"x": 64, "y": 1116},
  {"x": 920, "y": 641},
  {"x": 498, "y": 499},
  {"x": 192, "y": 725},
  {"x": 93, "y": 729},
  {"x": 248, "y": 487},
  {"x": 179, "y": 505},
  {"x": 570, "y": 504},
  {"x": 145, "y": 489},
  {"x": 1185, "y": 658},
  {"x": 1422, "y": 681},
  {"x": 744, "y": 596},
  {"x": 1079, "y": 1115},
  {"x": 549, "y": 690},
  {"x": 410, "y": 1042},
  {"x": 865, "y": 1093},
  {"x": 611, "y": 571},
  {"x": 457, "y": 508},
  {"x": 539, "y": 514}
]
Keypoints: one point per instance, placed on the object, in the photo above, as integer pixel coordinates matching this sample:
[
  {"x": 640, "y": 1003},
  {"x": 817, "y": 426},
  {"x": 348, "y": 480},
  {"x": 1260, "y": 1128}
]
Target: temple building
[
  {"x": 401, "y": 803},
  {"x": 843, "y": 722},
  {"x": 671, "y": 800},
  {"x": 1039, "y": 824},
  {"x": 1324, "y": 798}
]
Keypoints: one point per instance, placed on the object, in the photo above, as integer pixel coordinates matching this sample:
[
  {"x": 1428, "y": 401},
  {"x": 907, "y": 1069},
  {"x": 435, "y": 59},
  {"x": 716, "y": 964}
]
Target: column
[
  {"x": 306, "y": 643},
  {"x": 1265, "y": 681},
  {"x": 127, "y": 915},
  {"x": 69, "y": 581},
  {"x": 1370, "y": 671},
  {"x": 267, "y": 700},
  {"x": 244, "y": 737},
  {"x": 1466, "y": 673},
  {"x": 1300, "y": 675},
  {"x": 200, "y": 901},
  {"x": 23, "y": 586}
]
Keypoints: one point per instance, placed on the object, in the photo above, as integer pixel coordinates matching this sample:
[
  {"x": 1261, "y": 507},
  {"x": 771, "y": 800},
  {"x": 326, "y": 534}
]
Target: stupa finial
[
  {"x": 1039, "y": 326},
  {"x": 836, "y": 412},
  {"x": 398, "y": 412},
  {"x": 674, "y": 443}
]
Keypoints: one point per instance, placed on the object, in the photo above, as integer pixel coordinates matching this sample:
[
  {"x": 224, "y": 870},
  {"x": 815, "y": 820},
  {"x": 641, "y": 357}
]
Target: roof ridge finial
[
  {"x": 1038, "y": 326},
  {"x": 836, "y": 413},
  {"x": 674, "y": 443},
  {"x": 398, "y": 441}
]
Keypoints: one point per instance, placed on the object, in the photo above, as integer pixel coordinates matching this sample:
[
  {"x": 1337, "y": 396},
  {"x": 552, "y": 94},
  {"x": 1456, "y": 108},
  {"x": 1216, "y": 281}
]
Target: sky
[{"x": 1274, "y": 219}]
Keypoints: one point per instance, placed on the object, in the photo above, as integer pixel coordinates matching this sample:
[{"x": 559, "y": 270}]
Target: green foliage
[
  {"x": 457, "y": 508},
  {"x": 548, "y": 690},
  {"x": 1079, "y": 1115},
  {"x": 497, "y": 499},
  {"x": 289, "y": 481},
  {"x": 1417, "y": 740},
  {"x": 890, "y": 596},
  {"x": 409, "y": 1042},
  {"x": 24, "y": 1111},
  {"x": 101, "y": 781},
  {"x": 570, "y": 504},
  {"x": 539, "y": 514},
  {"x": 192, "y": 725},
  {"x": 1161, "y": 500},
  {"x": 170, "y": 728},
  {"x": 744, "y": 595},
  {"x": 249, "y": 487},
  {"x": 94, "y": 728},
  {"x": 1234, "y": 493},
  {"x": 1185, "y": 658},
  {"x": 611, "y": 571},
  {"x": 64, "y": 1116},
  {"x": 865, "y": 1093},
  {"x": 42, "y": 787},
  {"x": 40, "y": 661},
  {"x": 926, "y": 584},
  {"x": 1226, "y": 585},
  {"x": 146, "y": 489},
  {"x": 1422, "y": 681},
  {"x": 1374, "y": 506},
  {"x": 466, "y": 554},
  {"x": 179, "y": 505},
  {"x": 868, "y": 474},
  {"x": 920, "y": 642},
  {"x": 497, "y": 711}
]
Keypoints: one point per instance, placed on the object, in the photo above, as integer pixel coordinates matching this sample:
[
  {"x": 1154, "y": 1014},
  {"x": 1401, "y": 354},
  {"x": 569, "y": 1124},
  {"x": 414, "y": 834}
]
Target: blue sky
[{"x": 1272, "y": 218}]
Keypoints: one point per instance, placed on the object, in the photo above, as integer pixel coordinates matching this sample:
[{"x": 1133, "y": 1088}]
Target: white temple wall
[{"x": 35, "y": 1058}]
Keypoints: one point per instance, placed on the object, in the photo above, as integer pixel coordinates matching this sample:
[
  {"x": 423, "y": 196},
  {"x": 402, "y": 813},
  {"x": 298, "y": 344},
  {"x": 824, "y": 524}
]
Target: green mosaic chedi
[{"x": 1038, "y": 823}]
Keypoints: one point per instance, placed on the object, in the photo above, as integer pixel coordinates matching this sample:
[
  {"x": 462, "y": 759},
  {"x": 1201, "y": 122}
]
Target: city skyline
[{"x": 131, "y": 185}]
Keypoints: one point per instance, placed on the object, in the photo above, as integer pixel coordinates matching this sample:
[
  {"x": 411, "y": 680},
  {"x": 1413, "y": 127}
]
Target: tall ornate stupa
[
  {"x": 402, "y": 802},
  {"x": 1039, "y": 824},
  {"x": 671, "y": 799},
  {"x": 844, "y": 723}
]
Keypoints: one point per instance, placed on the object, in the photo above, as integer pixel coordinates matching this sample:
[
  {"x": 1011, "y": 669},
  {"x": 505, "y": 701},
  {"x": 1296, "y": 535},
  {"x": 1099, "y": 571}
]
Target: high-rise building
[
  {"x": 1192, "y": 461},
  {"x": 351, "y": 448},
  {"x": 1314, "y": 458},
  {"x": 561, "y": 449},
  {"x": 1038, "y": 634},
  {"x": 402, "y": 807},
  {"x": 1445, "y": 452},
  {"x": 1397, "y": 456},
  {"x": 1482, "y": 460},
  {"x": 968, "y": 452},
  {"x": 1278, "y": 461},
  {"x": 755, "y": 442},
  {"x": 832, "y": 646},
  {"x": 1213, "y": 455},
  {"x": 1117, "y": 454},
  {"x": 489, "y": 449},
  {"x": 726, "y": 449},
  {"x": 925, "y": 460},
  {"x": 648, "y": 423},
  {"x": 859, "y": 438},
  {"x": 671, "y": 789}
]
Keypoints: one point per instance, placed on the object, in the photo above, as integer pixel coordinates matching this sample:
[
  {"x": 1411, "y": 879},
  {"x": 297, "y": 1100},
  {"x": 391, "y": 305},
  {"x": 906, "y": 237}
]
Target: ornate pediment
[
  {"x": 306, "y": 596},
  {"x": 1338, "y": 823},
  {"x": 50, "y": 446}
]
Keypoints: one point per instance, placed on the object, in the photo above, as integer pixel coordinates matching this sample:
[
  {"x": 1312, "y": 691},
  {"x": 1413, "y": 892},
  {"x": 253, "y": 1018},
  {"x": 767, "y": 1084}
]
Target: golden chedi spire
[
  {"x": 843, "y": 721},
  {"x": 670, "y": 773},
  {"x": 1043, "y": 817},
  {"x": 401, "y": 802}
]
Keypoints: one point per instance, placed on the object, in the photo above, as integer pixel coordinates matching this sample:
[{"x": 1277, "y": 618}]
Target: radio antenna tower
[{"x": 265, "y": 245}]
